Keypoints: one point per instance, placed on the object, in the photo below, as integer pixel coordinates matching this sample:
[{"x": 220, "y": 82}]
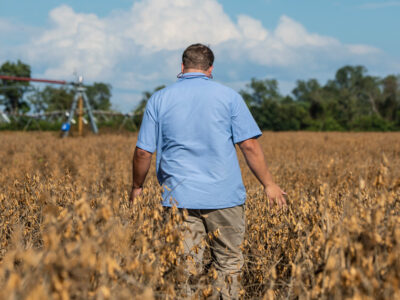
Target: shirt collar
[{"x": 191, "y": 75}]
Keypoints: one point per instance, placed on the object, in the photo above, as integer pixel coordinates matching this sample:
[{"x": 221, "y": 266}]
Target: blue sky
[{"x": 136, "y": 45}]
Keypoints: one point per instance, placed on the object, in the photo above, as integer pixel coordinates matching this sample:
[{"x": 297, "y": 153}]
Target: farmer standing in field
[{"x": 194, "y": 125}]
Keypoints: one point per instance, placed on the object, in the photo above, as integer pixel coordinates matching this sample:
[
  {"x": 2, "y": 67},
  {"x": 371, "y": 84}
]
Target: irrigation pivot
[
  {"x": 80, "y": 100},
  {"x": 6, "y": 77}
]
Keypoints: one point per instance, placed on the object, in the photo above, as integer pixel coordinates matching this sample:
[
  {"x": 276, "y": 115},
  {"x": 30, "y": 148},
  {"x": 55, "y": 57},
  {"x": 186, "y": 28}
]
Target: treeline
[
  {"x": 20, "y": 97},
  {"x": 352, "y": 101}
]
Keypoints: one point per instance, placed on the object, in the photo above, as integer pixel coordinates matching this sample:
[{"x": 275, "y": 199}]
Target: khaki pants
[{"x": 224, "y": 230}]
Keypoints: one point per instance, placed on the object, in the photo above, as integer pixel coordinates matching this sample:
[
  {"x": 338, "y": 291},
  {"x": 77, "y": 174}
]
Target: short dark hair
[{"x": 197, "y": 56}]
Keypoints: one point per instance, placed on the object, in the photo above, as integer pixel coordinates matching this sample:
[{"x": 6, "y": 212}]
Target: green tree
[
  {"x": 306, "y": 91},
  {"x": 55, "y": 98},
  {"x": 353, "y": 94},
  {"x": 390, "y": 104},
  {"x": 371, "y": 123},
  {"x": 99, "y": 95},
  {"x": 36, "y": 102},
  {"x": 292, "y": 115},
  {"x": 262, "y": 98},
  {"x": 349, "y": 78},
  {"x": 259, "y": 91},
  {"x": 13, "y": 91},
  {"x": 369, "y": 95},
  {"x": 271, "y": 110},
  {"x": 311, "y": 94}
]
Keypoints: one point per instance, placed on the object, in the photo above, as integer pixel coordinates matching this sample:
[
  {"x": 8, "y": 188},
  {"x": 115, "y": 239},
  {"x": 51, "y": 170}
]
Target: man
[{"x": 194, "y": 125}]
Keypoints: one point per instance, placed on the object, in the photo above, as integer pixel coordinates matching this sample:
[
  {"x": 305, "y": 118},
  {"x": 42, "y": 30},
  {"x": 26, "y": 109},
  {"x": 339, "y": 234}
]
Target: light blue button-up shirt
[{"x": 194, "y": 125}]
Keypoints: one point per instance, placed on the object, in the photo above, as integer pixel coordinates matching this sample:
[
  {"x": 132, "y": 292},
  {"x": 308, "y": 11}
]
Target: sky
[{"x": 137, "y": 45}]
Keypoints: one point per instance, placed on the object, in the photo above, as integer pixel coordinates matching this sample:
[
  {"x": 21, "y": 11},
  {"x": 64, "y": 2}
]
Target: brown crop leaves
[{"x": 67, "y": 230}]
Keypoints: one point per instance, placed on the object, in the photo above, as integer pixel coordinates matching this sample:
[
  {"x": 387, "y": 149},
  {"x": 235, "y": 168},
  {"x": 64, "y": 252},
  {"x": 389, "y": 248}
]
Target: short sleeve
[
  {"x": 244, "y": 126},
  {"x": 147, "y": 138}
]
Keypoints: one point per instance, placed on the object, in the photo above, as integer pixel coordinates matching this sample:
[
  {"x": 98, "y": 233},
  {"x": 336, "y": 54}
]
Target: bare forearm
[
  {"x": 259, "y": 168},
  {"x": 256, "y": 161},
  {"x": 140, "y": 167}
]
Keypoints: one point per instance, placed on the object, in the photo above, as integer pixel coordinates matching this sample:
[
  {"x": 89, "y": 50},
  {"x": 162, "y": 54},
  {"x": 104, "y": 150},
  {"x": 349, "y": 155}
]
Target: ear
[
  {"x": 209, "y": 71},
  {"x": 182, "y": 67}
]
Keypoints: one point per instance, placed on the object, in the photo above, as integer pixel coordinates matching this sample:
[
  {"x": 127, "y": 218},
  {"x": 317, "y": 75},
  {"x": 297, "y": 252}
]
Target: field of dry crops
[{"x": 67, "y": 230}]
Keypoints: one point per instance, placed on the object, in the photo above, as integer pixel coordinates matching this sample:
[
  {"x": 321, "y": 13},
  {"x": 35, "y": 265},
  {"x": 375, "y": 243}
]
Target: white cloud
[
  {"x": 293, "y": 34},
  {"x": 75, "y": 42},
  {"x": 290, "y": 45},
  {"x": 171, "y": 25},
  {"x": 363, "y": 49},
  {"x": 94, "y": 45},
  {"x": 140, "y": 48},
  {"x": 251, "y": 29}
]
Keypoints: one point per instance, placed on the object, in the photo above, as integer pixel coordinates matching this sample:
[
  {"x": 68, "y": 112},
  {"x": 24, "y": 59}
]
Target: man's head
[{"x": 197, "y": 57}]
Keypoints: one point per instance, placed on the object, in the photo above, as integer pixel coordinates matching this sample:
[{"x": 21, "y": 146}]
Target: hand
[
  {"x": 135, "y": 193},
  {"x": 274, "y": 193}
]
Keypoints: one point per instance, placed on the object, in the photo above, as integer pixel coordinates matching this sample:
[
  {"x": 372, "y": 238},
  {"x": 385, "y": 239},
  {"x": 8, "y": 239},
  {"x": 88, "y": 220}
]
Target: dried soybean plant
[{"x": 68, "y": 231}]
